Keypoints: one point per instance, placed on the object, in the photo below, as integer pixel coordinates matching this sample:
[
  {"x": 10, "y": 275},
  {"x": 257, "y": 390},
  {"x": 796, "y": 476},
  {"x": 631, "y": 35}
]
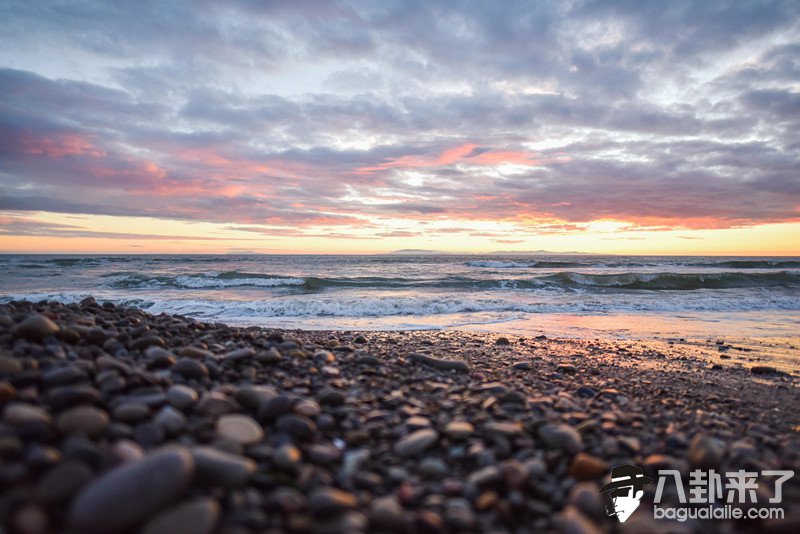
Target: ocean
[{"x": 555, "y": 295}]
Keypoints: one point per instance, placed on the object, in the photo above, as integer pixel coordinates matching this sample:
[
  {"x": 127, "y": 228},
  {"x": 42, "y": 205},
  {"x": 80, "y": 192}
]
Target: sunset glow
[{"x": 336, "y": 127}]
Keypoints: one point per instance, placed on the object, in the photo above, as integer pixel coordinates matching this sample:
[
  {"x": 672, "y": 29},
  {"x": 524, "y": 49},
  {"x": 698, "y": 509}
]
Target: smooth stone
[
  {"x": 64, "y": 396},
  {"x": 199, "y": 516},
  {"x": 148, "y": 340},
  {"x": 195, "y": 352},
  {"x": 297, "y": 426},
  {"x": 459, "y": 430},
  {"x": 459, "y": 515},
  {"x": 131, "y": 412},
  {"x": 239, "y": 428},
  {"x": 445, "y": 365},
  {"x": 181, "y": 397},
  {"x": 567, "y": 368},
  {"x": 274, "y": 407},
  {"x": 253, "y": 396},
  {"x": 330, "y": 501},
  {"x": 190, "y": 368},
  {"x": 62, "y": 482},
  {"x": 240, "y": 354},
  {"x": 127, "y": 450},
  {"x": 87, "y": 419},
  {"x": 561, "y": 436},
  {"x": 215, "y": 404},
  {"x": 127, "y": 495},
  {"x": 433, "y": 467},
  {"x": 416, "y": 442},
  {"x": 386, "y": 513},
  {"x": 572, "y": 521},
  {"x": 62, "y": 375},
  {"x": 170, "y": 420},
  {"x": 522, "y": 366},
  {"x": 503, "y": 428},
  {"x": 586, "y": 497},
  {"x": 330, "y": 397},
  {"x": 486, "y": 475},
  {"x": 19, "y": 413},
  {"x": 308, "y": 407},
  {"x": 766, "y": 370},
  {"x": 10, "y": 366},
  {"x": 36, "y": 327},
  {"x": 217, "y": 468},
  {"x": 502, "y": 341},
  {"x": 587, "y": 467},
  {"x": 323, "y": 454},
  {"x": 31, "y": 519},
  {"x": 706, "y": 453},
  {"x": 287, "y": 456}
]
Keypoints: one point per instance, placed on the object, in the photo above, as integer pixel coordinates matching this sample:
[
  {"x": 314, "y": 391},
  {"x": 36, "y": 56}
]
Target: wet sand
[{"x": 261, "y": 430}]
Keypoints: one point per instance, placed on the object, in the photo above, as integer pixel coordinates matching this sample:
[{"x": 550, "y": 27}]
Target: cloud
[{"x": 282, "y": 118}]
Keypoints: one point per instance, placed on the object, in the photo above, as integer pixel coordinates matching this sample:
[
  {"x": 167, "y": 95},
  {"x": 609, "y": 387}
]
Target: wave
[
  {"x": 565, "y": 280},
  {"x": 200, "y": 281},
  {"x": 523, "y": 265},
  {"x": 755, "y": 264},
  {"x": 254, "y": 310},
  {"x": 676, "y": 281}
]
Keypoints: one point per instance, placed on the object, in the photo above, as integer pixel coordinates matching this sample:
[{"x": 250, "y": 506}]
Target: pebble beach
[{"x": 117, "y": 420}]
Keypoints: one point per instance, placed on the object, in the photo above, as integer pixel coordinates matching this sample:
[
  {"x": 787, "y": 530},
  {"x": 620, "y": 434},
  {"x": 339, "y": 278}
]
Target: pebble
[
  {"x": 446, "y": 365},
  {"x": 127, "y": 495},
  {"x": 239, "y": 428},
  {"x": 190, "y": 368},
  {"x": 561, "y": 436},
  {"x": 36, "y": 327},
  {"x": 330, "y": 501},
  {"x": 181, "y": 397},
  {"x": 19, "y": 413},
  {"x": 274, "y": 407},
  {"x": 386, "y": 513},
  {"x": 131, "y": 412},
  {"x": 572, "y": 521},
  {"x": 198, "y": 516},
  {"x": 87, "y": 419},
  {"x": 297, "y": 426},
  {"x": 459, "y": 430},
  {"x": 766, "y": 370},
  {"x": 170, "y": 420},
  {"x": 522, "y": 366},
  {"x": 433, "y": 467},
  {"x": 218, "y": 468},
  {"x": 330, "y": 397},
  {"x": 706, "y": 452},
  {"x": 196, "y": 352},
  {"x": 287, "y": 456},
  {"x": 587, "y": 467},
  {"x": 62, "y": 482},
  {"x": 416, "y": 442}
]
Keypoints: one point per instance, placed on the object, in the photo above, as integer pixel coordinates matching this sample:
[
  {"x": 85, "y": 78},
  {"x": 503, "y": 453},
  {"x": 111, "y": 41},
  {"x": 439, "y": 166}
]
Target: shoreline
[{"x": 362, "y": 431}]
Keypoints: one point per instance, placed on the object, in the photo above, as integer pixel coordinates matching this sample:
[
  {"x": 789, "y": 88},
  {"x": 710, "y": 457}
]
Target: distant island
[{"x": 421, "y": 252}]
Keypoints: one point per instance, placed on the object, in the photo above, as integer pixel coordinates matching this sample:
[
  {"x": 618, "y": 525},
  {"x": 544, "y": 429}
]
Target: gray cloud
[{"x": 333, "y": 113}]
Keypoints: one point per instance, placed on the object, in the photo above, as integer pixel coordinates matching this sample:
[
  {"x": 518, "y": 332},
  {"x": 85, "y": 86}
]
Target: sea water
[{"x": 560, "y": 296}]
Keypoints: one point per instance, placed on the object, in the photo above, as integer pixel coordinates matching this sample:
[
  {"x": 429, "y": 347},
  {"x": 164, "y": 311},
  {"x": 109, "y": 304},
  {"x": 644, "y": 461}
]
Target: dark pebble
[{"x": 127, "y": 495}]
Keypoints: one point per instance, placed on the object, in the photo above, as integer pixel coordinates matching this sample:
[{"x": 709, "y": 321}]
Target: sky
[{"x": 358, "y": 127}]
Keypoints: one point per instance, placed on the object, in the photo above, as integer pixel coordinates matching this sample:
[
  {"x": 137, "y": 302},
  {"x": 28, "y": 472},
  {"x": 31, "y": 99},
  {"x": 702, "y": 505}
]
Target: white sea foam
[{"x": 203, "y": 282}]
